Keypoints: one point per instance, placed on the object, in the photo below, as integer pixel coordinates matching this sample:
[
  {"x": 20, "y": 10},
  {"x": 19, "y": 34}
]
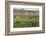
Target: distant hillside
[{"x": 23, "y": 11}]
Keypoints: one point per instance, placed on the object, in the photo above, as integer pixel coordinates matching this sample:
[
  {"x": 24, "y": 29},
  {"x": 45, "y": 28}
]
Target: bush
[{"x": 26, "y": 21}]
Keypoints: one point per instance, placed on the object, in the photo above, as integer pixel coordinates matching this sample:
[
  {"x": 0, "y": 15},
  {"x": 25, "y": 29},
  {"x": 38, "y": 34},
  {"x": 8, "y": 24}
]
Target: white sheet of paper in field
[{"x": 25, "y": 7}]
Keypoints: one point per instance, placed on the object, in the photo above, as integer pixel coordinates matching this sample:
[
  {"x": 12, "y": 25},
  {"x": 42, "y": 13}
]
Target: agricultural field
[{"x": 25, "y": 20}]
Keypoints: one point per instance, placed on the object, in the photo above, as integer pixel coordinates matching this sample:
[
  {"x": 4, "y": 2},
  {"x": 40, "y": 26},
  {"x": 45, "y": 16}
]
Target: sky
[{"x": 26, "y": 7}]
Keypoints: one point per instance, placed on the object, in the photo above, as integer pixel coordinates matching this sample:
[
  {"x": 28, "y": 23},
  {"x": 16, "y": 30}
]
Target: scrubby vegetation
[{"x": 26, "y": 21}]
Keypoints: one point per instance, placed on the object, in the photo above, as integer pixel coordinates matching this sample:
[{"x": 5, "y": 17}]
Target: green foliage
[{"x": 25, "y": 21}]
